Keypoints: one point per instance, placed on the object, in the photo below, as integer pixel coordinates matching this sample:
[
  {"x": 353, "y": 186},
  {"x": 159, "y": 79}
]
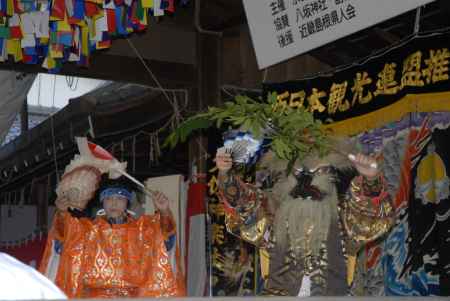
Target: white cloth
[
  {"x": 101, "y": 25},
  {"x": 109, "y": 5},
  {"x": 22, "y": 282},
  {"x": 40, "y": 22},
  {"x": 196, "y": 274},
  {"x": 35, "y": 24},
  {"x": 157, "y": 11},
  {"x": 305, "y": 289},
  {"x": 14, "y": 20},
  {"x": 69, "y": 7}
]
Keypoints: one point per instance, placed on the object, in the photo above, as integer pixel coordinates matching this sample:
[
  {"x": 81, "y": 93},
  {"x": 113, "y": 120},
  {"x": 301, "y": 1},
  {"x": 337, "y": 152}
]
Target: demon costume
[{"x": 303, "y": 224}]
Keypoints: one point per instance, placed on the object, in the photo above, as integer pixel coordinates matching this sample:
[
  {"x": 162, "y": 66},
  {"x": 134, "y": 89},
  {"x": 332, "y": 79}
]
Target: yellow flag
[
  {"x": 147, "y": 3},
  {"x": 99, "y": 15},
  {"x": 63, "y": 25},
  {"x": 144, "y": 21},
  {"x": 84, "y": 41},
  {"x": 92, "y": 30},
  {"x": 51, "y": 63},
  {"x": 55, "y": 53},
  {"x": 13, "y": 48},
  {"x": 44, "y": 40},
  {"x": 10, "y": 7}
]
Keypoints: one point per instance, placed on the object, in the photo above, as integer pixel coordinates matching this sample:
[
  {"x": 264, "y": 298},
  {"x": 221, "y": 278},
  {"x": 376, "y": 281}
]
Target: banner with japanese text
[
  {"x": 234, "y": 263},
  {"x": 378, "y": 90}
]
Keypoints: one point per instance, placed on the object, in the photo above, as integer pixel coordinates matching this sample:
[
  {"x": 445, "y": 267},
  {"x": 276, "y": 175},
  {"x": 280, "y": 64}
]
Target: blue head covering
[{"x": 115, "y": 191}]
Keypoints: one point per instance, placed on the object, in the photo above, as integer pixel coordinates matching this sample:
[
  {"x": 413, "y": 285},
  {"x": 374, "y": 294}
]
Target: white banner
[{"x": 281, "y": 29}]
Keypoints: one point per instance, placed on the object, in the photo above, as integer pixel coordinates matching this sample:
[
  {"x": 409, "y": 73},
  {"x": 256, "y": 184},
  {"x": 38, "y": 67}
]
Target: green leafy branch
[{"x": 292, "y": 132}]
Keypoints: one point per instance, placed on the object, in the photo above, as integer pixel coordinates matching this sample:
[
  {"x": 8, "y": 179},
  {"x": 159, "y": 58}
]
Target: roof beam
[
  {"x": 386, "y": 35},
  {"x": 122, "y": 69}
]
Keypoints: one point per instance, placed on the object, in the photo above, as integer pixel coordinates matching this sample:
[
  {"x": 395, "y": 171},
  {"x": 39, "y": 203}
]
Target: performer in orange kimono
[{"x": 115, "y": 254}]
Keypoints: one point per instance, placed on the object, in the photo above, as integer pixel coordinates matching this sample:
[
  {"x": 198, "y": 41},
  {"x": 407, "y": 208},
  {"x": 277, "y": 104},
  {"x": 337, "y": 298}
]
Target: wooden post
[{"x": 205, "y": 93}]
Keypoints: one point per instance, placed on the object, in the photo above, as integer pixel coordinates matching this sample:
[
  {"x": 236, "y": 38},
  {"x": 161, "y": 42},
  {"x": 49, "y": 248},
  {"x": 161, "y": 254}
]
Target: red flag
[
  {"x": 91, "y": 9},
  {"x": 171, "y": 6},
  {"x": 58, "y": 9},
  {"x": 99, "y": 152},
  {"x": 90, "y": 149},
  {"x": 110, "y": 14}
]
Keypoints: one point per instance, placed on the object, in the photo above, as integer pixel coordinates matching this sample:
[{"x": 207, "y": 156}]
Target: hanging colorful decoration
[{"x": 52, "y": 32}]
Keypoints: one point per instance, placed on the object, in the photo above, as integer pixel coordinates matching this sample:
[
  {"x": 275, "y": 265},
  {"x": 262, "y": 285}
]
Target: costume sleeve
[
  {"x": 165, "y": 277},
  {"x": 367, "y": 212},
  {"x": 58, "y": 225},
  {"x": 60, "y": 258},
  {"x": 246, "y": 213},
  {"x": 62, "y": 221},
  {"x": 54, "y": 243},
  {"x": 168, "y": 229}
]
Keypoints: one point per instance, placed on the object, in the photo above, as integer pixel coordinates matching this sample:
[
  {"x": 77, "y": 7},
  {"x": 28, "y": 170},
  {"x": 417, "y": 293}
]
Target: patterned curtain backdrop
[{"x": 414, "y": 259}]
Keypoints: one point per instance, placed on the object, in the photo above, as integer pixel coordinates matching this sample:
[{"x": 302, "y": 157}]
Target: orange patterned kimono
[{"x": 99, "y": 259}]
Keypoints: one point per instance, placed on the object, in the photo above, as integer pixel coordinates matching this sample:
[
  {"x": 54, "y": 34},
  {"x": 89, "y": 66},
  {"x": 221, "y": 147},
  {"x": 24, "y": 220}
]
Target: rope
[
  {"x": 39, "y": 90},
  {"x": 54, "y": 148},
  {"x": 155, "y": 79},
  {"x": 54, "y": 91}
]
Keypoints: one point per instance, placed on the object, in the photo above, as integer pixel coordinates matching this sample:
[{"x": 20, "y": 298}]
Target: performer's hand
[
  {"x": 364, "y": 165},
  {"x": 161, "y": 203},
  {"x": 80, "y": 200},
  {"x": 62, "y": 204},
  {"x": 79, "y": 185},
  {"x": 223, "y": 160}
]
